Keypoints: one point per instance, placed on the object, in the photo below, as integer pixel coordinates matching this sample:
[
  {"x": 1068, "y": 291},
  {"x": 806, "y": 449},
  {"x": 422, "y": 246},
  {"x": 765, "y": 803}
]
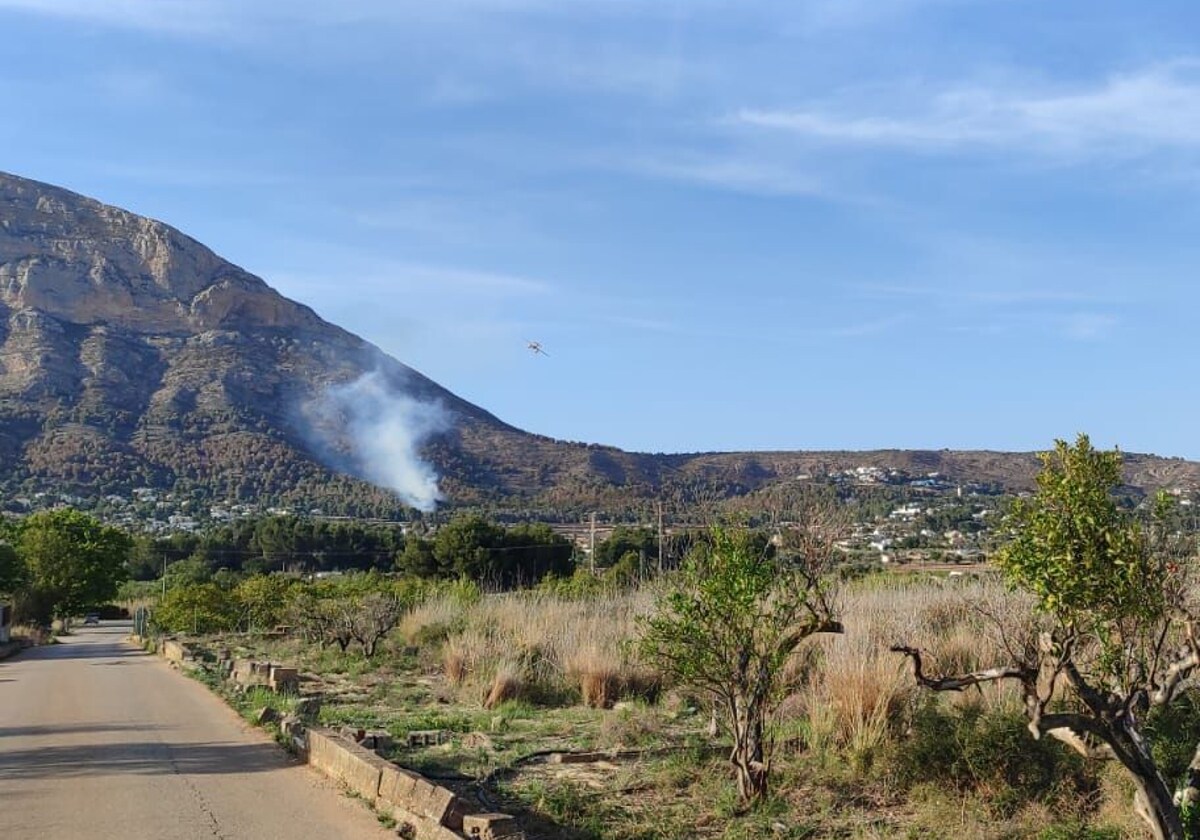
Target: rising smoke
[{"x": 376, "y": 430}]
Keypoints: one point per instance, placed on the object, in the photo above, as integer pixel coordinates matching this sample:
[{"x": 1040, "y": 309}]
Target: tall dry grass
[
  {"x": 548, "y": 644},
  {"x": 850, "y": 691},
  {"x": 853, "y": 690}
]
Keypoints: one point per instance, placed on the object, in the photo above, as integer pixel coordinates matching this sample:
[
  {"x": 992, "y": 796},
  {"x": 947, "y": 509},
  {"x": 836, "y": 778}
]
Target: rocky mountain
[{"x": 133, "y": 356}]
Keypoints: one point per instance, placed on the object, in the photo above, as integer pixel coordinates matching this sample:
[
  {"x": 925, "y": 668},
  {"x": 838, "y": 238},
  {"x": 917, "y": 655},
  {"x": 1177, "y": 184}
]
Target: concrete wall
[
  {"x": 357, "y": 768},
  {"x": 431, "y": 811}
]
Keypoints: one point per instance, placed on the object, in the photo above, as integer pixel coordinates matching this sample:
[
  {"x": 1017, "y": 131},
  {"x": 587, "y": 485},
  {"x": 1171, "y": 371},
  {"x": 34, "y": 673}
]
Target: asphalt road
[{"x": 99, "y": 740}]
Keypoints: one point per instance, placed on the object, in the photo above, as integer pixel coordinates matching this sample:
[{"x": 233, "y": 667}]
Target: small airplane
[{"x": 536, "y": 348}]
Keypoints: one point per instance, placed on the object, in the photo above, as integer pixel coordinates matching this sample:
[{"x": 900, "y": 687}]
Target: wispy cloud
[
  {"x": 990, "y": 296},
  {"x": 1156, "y": 107},
  {"x": 732, "y": 173},
  {"x": 1088, "y": 326},
  {"x": 167, "y": 16}
]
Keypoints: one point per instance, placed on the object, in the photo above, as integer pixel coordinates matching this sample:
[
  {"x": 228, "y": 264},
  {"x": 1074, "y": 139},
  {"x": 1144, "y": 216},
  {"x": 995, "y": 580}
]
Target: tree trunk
[
  {"x": 747, "y": 755},
  {"x": 1153, "y": 801}
]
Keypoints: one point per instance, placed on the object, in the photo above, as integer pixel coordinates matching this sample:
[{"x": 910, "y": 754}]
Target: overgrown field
[{"x": 861, "y": 750}]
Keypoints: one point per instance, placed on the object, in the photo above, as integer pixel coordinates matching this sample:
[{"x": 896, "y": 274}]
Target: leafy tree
[
  {"x": 642, "y": 543},
  {"x": 471, "y": 546},
  {"x": 13, "y": 573},
  {"x": 197, "y": 608},
  {"x": 735, "y": 616},
  {"x": 263, "y": 600},
  {"x": 418, "y": 558},
  {"x": 74, "y": 561},
  {"x": 1117, "y": 637},
  {"x": 187, "y": 572},
  {"x": 361, "y": 608}
]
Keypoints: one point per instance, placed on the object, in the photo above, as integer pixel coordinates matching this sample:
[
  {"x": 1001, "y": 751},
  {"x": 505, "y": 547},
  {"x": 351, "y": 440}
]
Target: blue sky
[{"x": 811, "y": 224}]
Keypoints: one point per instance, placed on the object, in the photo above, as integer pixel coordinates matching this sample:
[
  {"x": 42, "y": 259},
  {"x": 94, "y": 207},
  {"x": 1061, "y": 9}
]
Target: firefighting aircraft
[{"x": 536, "y": 348}]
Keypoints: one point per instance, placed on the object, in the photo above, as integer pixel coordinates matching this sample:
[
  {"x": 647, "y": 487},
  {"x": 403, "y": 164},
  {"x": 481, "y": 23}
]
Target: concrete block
[
  {"x": 426, "y": 829},
  {"x": 283, "y": 680},
  {"x": 425, "y": 737},
  {"x": 346, "y": 762},
  {"x": 308, "y": 707},
  {"x": 379, "y": 740},
  {"x": 442, "y": 806},
  {"x": 291, "y": 726},
  {"x": 248, "y": 672},
  {"x": 173, "y": 651},
  {"x": 396, "y": 787},
  {"x": 490, "y": 827}
]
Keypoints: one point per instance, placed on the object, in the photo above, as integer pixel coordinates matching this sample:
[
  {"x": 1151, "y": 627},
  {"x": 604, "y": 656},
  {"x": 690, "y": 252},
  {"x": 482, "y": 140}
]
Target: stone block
[
  {"x": 346, "y": 762},
  {"x": 283, "y": 680},
  {"x": 425, "y": 737},
  {"x": 490, "y": 827},
  {"x": 291, "y": 726},
  {"x": 247, "y": 672},
  {"x": 396, "y": 786},
  {"x": 173, "y": 651},
  {"x": 307, "y": 707},
  {"x": 379, "y": 740}
]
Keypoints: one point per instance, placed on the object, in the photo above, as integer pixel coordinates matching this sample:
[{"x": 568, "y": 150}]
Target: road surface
[{"x": 99, "y": 740}]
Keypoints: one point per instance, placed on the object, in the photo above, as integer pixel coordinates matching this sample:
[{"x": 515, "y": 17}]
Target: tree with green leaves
[
  {"x": 1116, "y": 639},
  {"x": 263, "y": 600},
  {"x": 13, "y": 573},
  {"x": 73, "y": 561},
  {"x": 736, "y": 614},
  {"x": 198, "y": 608},
  {"x": 642, "y": 543}
]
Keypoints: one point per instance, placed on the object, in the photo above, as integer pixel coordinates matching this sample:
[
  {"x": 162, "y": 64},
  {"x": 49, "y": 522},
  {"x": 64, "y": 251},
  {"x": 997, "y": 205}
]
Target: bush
[
  {"x": 198, "y": 608},
  {"x": 990, "y": 752}
]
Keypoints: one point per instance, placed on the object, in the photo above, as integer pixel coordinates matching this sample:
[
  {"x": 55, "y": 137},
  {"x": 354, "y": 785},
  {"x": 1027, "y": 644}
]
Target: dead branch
[{"x": 963, "y": 681}]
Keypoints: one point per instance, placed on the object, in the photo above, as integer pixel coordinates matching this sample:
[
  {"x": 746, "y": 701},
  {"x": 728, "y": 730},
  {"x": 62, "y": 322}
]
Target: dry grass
[
  {"x": 507, "y": 684},
  {"x": 854, "y": 691},
  {"x": 548, "y": 643},
  {"x": 850, "y": 689}
]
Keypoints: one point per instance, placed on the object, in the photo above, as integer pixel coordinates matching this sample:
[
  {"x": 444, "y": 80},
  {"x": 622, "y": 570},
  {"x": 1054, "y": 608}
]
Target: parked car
[{"x": 91, "y": 618}]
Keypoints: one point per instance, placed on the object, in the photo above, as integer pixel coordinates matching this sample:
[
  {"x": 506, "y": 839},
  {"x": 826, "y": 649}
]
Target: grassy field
[{"x": 862, "y": 752}]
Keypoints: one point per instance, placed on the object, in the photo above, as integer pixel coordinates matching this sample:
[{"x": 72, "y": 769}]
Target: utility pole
[{"x": 592, "y": 545}]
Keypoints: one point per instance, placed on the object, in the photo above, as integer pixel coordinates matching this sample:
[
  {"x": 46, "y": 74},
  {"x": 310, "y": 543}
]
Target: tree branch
[
  {"x": 960, "y": 682},
  {"x": 1175, "y": 676},
  {"x": 1071, "y": 729}
]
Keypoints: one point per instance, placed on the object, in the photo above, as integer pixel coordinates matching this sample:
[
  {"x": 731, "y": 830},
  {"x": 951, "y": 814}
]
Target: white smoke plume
[{"x": 380, "y": 430}]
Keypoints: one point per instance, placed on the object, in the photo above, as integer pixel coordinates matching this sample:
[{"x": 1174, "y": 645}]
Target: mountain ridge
[{"x": 131, "y": 354}]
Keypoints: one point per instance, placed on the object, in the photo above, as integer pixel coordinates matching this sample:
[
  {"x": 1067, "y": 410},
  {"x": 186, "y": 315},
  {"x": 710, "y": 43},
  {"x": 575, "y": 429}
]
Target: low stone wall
[
  {"x": 430, "y": 812},
  {"x": 357, "y": 768}
]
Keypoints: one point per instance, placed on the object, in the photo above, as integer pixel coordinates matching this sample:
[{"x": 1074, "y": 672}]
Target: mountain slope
[{"x": 131, "y": 355}]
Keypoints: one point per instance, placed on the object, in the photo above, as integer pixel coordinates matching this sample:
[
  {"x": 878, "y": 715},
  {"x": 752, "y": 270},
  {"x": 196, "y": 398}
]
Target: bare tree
[{"x": 374, "y": 616}]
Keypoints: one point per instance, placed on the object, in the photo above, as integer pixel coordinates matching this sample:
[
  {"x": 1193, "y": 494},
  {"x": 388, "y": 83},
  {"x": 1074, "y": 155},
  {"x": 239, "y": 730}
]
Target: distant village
[{"x": 904, "y": 519}]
